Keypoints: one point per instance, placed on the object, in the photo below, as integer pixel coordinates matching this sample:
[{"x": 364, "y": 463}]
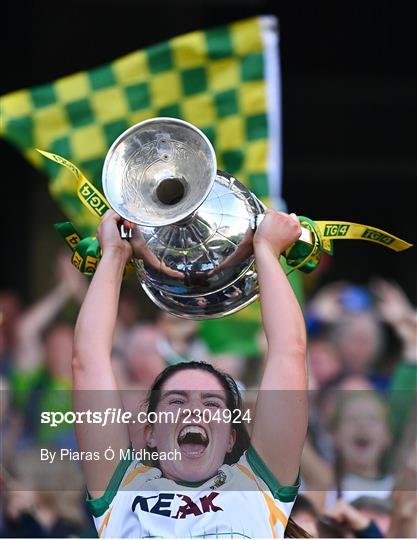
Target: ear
[
  {"x": 149, "y": 438},
  {"x": 232, "y": 440}
]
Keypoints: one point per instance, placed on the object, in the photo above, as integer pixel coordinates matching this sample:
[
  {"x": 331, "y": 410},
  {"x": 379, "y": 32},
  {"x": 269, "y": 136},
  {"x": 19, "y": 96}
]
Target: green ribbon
[
  {"x": 306, "y": 257},
  {"x": 86, "y": 252}
]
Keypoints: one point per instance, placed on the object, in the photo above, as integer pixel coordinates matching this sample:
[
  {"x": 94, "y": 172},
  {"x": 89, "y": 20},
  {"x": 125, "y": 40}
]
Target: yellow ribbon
[
  {"x": 345, "y": 230},
  {"x": 91, "y": 197},
  {"x": 88, "y": 194}
]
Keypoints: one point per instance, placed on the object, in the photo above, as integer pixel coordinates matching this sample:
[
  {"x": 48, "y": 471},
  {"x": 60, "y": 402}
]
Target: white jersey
[{"x": 243, "y": 500}]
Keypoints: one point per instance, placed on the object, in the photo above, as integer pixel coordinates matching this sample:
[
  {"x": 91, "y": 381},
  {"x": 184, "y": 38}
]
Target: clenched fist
[{"x": 277, "y": 231}]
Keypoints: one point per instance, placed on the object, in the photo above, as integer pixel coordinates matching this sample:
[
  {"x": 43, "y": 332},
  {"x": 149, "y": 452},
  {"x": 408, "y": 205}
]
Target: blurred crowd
[{"x": 359, "y": 466}]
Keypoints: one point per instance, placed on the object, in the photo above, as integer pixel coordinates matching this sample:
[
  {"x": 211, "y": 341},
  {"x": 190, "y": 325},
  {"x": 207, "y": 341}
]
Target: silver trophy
[{"x": 194, "y": 225}]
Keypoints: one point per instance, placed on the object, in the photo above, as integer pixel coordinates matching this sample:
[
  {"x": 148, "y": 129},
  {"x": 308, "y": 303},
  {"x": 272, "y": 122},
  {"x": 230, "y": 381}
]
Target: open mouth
[
  {"x": 362, "y": 442},
  {"x": 193, "y": 440}
]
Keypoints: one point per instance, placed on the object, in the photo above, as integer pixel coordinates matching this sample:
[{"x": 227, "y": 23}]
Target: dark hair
[
  {"x": 233, "y": 400},
  {"x": 302, "y": 504},
  {"x": 330, "y": 528},
  {"x": 373, "y": 504},
  {"x": 56, "y": 324}
]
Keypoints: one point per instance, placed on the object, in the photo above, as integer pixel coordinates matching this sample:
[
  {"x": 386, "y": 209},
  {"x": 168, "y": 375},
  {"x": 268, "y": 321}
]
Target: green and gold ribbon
[
  {"x": 86, "y": 252},
  {"x": 88, "y": 194},
  {"x": 300, "y": 256},
  {"x": 305, "y": 257}
]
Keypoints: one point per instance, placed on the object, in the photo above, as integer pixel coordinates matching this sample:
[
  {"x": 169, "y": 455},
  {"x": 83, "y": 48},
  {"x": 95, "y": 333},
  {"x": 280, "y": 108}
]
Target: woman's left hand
[{"x": 277, "y": 230}]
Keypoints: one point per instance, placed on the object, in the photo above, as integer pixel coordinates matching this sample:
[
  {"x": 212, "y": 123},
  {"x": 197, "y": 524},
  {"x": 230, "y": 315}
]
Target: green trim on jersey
[
  {"x": 193, "y": 484},
  {"x": 259, "y": 467},
  {"x": 98, "y": 506}
]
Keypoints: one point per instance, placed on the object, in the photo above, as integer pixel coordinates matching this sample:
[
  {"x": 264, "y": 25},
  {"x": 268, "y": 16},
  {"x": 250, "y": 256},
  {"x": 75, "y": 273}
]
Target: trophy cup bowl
[{"x": 194, "y": 225}]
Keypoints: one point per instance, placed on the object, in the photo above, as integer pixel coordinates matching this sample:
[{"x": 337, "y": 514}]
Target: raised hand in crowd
[
  {"x": 326, "y": 305},
  {"x": 404, "y": 516},
  {"x": 74, "y": 282},
  {"x": 346, "y": 515},
  {"x": 394, "y": 308},
  {"x": 33, "y": 322}
]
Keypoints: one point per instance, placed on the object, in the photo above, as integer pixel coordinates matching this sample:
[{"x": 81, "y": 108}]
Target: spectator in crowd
[
  {"x": 143, "y": 358},
  {"x": 376, "y": 509},
  {"x": 179, "y": 340},
  {"x": 324, "y": 360},
  {"x": 329, "y": 396},
  {"x": 127, "y": 319},
  {"x": 43, "y": 499},
  {"x": 148, "y": 348},
  {"x": 10, "y": 311},
  {"x": 350, "y": 521},
  {"x": 404, "y": 499},
  {"x": 394, "y": 308},
  {"x": 342, "y": 520},
  {"x": 10, "y": 426},
  {"x": 353, "y": 327},
  {"x": 319, "y": 454},
  {"x": 362, "y": 436},
  {"x": 359, "y": 339},
  {"x": 42, "y": 363},
  {"x": 232, "y": 364}
]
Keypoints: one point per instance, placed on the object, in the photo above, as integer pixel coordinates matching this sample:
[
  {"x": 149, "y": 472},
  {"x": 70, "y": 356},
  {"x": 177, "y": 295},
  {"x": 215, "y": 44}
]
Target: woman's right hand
[{"x": 108, "y": 235}]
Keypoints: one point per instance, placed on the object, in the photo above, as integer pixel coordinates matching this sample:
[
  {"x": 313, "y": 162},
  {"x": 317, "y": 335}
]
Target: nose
[{"x": 193, "y": 408}]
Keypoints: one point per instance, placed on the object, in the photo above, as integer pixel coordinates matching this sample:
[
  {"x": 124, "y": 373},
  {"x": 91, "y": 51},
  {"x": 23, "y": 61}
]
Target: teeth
[{"x": 193, "y": 429}]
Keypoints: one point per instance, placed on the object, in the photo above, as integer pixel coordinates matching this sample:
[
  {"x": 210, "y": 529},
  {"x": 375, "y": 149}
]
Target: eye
[
  {"x": 213, "y": 404},
  {"x": 176, "y": 401}
]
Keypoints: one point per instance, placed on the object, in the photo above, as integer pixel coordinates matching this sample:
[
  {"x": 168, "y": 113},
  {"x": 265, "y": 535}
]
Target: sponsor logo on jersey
[{"x": 166, "y": 504}]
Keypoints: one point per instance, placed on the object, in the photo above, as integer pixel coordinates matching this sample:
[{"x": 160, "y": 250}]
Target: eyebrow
[
  {"x": 174, "y": 392},
  {"x": 184, "y": 393},
  {"x": 213, "y": 395}
]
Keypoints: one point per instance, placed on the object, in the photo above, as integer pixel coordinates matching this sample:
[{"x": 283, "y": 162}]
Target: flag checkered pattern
[
  {"x": 213, "y": 79},
  {"x": 223, "y": 80}
]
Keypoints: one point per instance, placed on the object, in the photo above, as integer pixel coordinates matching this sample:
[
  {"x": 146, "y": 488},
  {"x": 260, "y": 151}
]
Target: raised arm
[
  {"x": 280, "y": 423},
  {"x": 29, "y": 353},
  {"x": 93, "y": 380}
]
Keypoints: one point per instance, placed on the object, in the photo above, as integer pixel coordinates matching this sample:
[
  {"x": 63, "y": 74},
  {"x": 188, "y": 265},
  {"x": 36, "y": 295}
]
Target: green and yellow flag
[{"x": 224, "y": 80}]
